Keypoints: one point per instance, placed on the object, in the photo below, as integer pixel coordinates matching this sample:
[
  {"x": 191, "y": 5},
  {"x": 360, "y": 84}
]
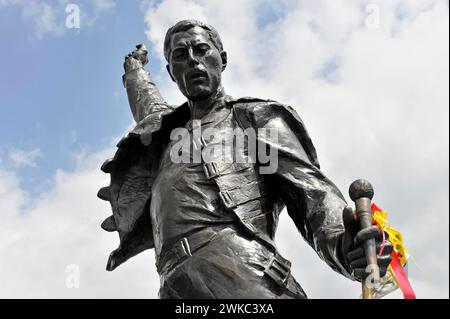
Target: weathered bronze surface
[{"x": 212, "y": 222}]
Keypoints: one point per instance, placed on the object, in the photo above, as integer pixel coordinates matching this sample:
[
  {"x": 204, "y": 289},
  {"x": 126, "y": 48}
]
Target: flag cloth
[{"x": 397, "y": 277}]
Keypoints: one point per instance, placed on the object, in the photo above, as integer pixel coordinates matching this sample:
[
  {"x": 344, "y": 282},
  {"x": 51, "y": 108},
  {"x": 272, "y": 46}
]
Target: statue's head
[{"x": 195, "y": 57}]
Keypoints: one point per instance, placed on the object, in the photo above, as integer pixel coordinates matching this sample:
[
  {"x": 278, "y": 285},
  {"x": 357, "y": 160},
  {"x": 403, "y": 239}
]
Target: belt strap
[
  {"x": 216, "y": 169},
  {"x": 245, "y": 193},
  {"x": 278, "y": 269},
  {"x": 184, "y": 248}
]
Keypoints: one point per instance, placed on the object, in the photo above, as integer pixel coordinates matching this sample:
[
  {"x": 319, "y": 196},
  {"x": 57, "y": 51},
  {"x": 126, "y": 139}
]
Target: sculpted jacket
[{"x": 312, "y": 201}]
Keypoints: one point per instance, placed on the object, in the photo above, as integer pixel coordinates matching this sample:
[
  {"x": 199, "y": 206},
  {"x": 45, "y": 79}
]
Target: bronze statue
[{"x": 211, "y": 221}]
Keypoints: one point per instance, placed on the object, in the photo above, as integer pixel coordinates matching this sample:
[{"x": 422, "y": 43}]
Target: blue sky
[
  {"x": 63, "y": 94},
  {"x": 371, "y": 87}
]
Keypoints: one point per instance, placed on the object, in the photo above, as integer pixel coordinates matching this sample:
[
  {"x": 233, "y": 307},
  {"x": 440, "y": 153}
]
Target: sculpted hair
[{"x": 185, "y": 25}]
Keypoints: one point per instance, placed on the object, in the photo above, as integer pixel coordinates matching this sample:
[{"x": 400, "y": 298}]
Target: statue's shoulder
[
  {"x": 258, "y": 113},
  {"x": 154, "y": 122},
  {"x": 257, "y": 109},
  {"x": 248, "y": 101}
]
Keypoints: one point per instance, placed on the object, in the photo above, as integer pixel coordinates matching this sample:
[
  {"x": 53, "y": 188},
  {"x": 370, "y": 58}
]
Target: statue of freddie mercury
[{"x": 212, "y": 223}]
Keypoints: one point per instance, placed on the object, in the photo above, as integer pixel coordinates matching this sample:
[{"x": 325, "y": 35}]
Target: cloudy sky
[{"x": 369, "y": 78}]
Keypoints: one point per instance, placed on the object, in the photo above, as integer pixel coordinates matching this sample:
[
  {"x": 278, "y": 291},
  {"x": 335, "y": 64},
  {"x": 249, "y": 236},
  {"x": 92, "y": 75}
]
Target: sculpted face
[{"x": 195, "y": 64}]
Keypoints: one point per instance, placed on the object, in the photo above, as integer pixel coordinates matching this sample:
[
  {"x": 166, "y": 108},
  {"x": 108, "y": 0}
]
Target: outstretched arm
[{"x": 143, "y": 95}]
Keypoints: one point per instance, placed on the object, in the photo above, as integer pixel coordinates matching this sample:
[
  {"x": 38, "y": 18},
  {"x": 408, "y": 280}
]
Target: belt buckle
[
  {"x": 227, "y": 200},
  {"x": 182, "y": 249},
  {"x": 279, "y": 270},
  {"x": 211, "y": 170}
]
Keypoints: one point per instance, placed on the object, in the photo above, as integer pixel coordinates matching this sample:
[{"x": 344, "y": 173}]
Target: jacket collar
[{"x": 167, "y": 119}]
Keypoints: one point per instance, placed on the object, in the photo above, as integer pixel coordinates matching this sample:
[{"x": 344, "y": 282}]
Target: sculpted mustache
[{"x": 196, "y": 73}]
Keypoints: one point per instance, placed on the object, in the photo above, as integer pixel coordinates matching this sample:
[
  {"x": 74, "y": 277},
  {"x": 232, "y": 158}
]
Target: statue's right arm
[
  {"x": 143, "y": 95},
  {"x": 131, "y": 170}
]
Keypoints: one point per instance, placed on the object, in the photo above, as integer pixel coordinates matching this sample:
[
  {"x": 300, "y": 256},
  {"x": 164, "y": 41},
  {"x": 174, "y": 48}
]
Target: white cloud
[
  {"x": 11, "y": 196},
  {"x": 100, "y": 7},
  {"x": 20, "y": 157},
  {"x": 48, "y": 17},
  {"x": 104, "y": 5},
  {"x": 62, "y": 228}
]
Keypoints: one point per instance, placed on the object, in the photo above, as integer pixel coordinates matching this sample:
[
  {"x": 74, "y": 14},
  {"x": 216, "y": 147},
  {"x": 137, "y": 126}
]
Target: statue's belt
[
  {"x": 184, "y": 248},
  {"x": 278, "y": 269}
]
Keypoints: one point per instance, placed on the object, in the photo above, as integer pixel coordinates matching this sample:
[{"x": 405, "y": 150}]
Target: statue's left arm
[{"x": 313, "y": 202}]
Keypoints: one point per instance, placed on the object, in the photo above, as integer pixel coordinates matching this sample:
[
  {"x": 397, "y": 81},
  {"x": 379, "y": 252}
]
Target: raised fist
[{"x": 136, "y": 59}]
